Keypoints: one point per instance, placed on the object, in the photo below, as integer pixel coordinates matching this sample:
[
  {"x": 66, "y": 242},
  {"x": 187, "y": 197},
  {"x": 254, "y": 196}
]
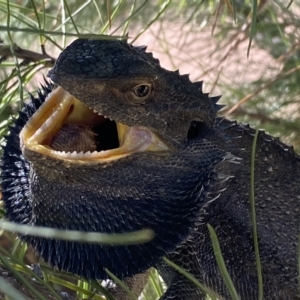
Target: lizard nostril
[{"x": 194, "y": 129}]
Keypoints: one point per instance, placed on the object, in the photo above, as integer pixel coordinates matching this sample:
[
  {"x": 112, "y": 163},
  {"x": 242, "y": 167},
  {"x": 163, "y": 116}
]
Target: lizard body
[
  {"x": 161, "y": 161},
  {"x": 277, "y": 216}
]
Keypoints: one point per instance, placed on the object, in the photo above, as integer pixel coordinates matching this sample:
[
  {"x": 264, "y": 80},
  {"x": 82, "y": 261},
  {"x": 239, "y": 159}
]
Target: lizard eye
[
  {"x": 140, "y": 93},
  {"x": 142, "y": 90}
]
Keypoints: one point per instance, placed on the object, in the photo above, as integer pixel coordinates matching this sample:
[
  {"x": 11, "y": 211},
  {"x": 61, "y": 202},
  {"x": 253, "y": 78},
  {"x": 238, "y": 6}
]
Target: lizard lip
[{"x": 62, "y": 118}]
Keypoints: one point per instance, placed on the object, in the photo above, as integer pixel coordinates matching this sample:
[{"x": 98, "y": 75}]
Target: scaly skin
[
  {"x": 164, "y": 190},
  {"x": 169, "y": 191},
  {"x": 277, "y": 187}
]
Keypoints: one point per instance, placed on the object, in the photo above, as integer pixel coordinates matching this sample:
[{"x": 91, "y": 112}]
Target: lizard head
[
  {"x": 117, "y": 145},
  {"x": 122, "y": 93}
]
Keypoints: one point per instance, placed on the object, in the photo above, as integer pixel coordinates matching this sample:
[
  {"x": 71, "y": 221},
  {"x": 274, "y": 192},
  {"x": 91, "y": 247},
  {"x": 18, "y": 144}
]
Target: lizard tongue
[{"x": 73, "y": 137}]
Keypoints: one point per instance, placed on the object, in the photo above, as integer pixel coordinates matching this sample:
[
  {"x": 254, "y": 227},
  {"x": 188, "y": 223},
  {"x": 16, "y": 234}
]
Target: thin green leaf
[
  {"x": 95, "y": 284},
  {"x": 191, "y": 278},
  {"x": 253, "y": 24},
  {"x": 82, "y": 284},
  {"x": 253, "y": 218},
  {"x": 120, "y": 283},
  {"x": 156, "y": 283},
  {"x": 163, "y": 8},
  {"x": 290, "y": 3},
  {"x": 80, "y": 8},
  {"x": 37, "y": 17},
  {"x": 20, "y": 265},
  {"x": 299, "y": 265},
  {"x": 13, "y": 52},
  {"x": 75, "y": 287},
  {"x": 71, "y": 17},
  {"x": 221, "y": 264},
  {"x": 63, "y": 22},
  {"x": 233, "y": 4},
  {"x": 125, "y": 24},
  {"x": 46, "y": 32},
  {"x": 112, "y": 16},
  {"x": 10, "y": 291},
  {"x": 137, "y": 237},
  {"x": 22, "y": 279}
]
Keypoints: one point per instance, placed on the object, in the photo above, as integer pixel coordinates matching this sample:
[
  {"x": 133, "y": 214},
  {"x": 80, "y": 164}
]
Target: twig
[
  {"x": 264, "y": 87},
  {"x": 263, "y": 118},
  {"x": 27, "y": 55}
]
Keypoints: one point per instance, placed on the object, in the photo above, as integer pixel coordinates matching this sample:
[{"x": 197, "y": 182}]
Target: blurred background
[{"x": 248, "y": 51}]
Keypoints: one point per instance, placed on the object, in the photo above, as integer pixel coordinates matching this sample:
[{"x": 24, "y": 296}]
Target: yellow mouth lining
[{"x": 62, "y": 108}]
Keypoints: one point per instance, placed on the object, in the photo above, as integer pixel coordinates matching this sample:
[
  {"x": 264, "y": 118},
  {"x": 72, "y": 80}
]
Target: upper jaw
[{"x": 48, "y": 132}]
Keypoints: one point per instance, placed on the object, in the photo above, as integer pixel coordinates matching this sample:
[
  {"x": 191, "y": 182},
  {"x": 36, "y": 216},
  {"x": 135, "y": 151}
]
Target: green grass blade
[
  {"x": 137, "y": 237},
  {"x": 75, "y": 287},
  {"x": 21, "y": 265},
  {"x": 163, "y": 8},
  {"x": 112, "y": 16},
  {"x": 233, "y": 4},
  {"x": 50, "y": 32},
  {"x": 290, "y": 4},
  {"x": 299, "y": 263},
  {"x": 95, "y": 284},
  {"x": 253, "y": 24},
  {"x": 21, "y": 279},
  {"x": 120, "y": 283},
  {"x": 253, "y": 218},
  {"x": 10, "y": 291},
  {"x": 37, "y": 17},
  {"x": 156, "y": 283},
  {"x": 191, "y": 278},
  {"x": 13, "y": 53},
  {"x": 125, "y": 24},
  {"x": 71, "y": 17},
  {"x": 221, "y": 263}
]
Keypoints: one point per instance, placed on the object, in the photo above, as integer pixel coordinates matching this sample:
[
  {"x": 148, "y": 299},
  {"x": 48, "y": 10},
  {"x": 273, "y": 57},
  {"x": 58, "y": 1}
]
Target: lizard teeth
[{"x": 96, "y": 112}]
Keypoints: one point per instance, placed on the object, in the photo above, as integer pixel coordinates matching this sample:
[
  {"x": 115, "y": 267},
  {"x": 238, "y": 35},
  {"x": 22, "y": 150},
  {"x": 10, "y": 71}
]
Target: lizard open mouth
[{"x": 65, "y": 128}]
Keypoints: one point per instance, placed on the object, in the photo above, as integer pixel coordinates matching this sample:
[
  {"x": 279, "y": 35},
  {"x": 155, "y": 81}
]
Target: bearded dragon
[{"x": 117, "y": 144}]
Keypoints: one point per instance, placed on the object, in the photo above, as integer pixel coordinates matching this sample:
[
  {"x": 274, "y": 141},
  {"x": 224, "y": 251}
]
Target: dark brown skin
[
  {"x": 169, "y": 191},
  {"x": 277, "y": 184},
  {"x": 164, "y": 190}
]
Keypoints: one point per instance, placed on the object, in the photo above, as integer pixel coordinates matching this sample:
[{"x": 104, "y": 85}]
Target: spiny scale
[
  {"x": 142, "y": 48},
  {"x": 215, "y": 99},
  {"x": 198, "y": 85}
]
